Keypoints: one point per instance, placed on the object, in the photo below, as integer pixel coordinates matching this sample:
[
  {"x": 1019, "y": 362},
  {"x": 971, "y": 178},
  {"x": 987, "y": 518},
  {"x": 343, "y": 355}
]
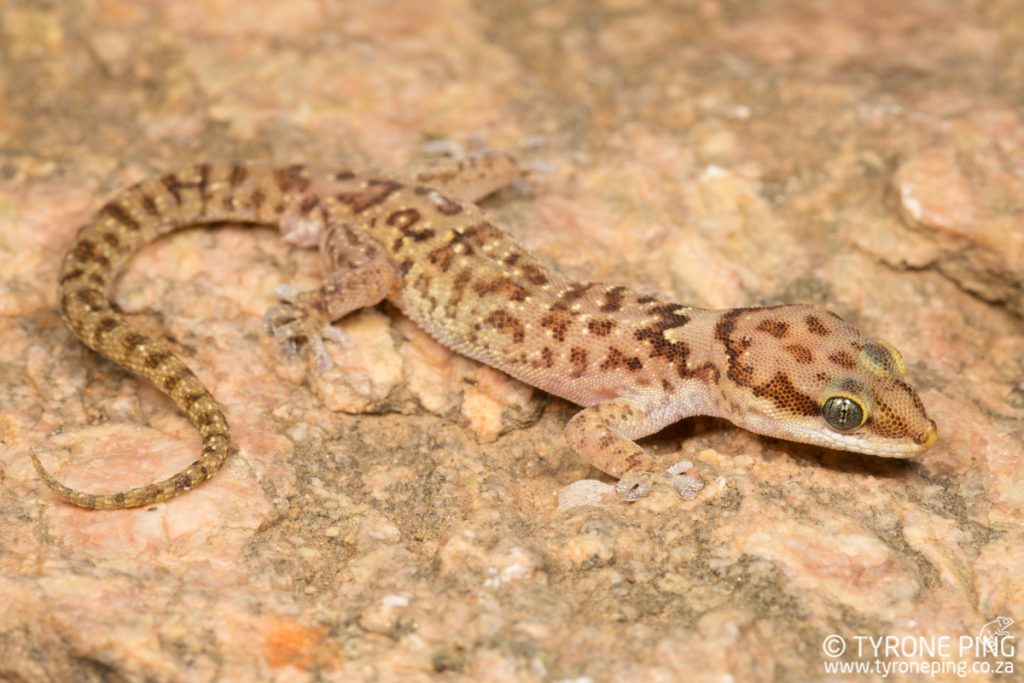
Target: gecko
[{"x": 634, "y": 361}]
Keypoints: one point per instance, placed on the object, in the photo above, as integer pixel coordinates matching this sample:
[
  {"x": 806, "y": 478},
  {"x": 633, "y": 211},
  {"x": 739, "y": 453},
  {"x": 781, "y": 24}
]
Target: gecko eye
[{"x": 843, "y": 413}]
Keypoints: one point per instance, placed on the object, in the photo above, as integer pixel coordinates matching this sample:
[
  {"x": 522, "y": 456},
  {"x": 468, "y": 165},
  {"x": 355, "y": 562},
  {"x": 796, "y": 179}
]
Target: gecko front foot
[
  {"x": 685, "y": 485},
  {"x": 297, "y": 320},
  {"x": 633, "y": 487}
]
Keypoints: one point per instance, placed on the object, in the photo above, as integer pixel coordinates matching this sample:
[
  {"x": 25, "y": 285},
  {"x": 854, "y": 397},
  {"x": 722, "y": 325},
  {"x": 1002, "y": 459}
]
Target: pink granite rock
[{"x": 414, "y": 516}]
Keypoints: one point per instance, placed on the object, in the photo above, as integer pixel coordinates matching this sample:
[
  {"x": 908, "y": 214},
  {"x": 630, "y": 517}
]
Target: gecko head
[{"x": 802, "y": 373}]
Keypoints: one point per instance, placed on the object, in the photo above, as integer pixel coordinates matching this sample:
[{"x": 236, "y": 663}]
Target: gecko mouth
[
  {"x": 859, "y": 441},
  {"x": 895, "y": 448}
]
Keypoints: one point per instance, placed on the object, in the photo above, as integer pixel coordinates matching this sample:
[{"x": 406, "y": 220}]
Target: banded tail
[{"x": 202, "y": 195}]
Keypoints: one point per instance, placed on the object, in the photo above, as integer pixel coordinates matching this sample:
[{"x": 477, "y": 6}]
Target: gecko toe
[
  {"x": 287, "y": 292},
  {"x": 301, "y": 231},
  {"x": 338, "y": 336},
  {"x": 686, "y": 487},
  {"x": 294, "y": 326},
  {"x": 633, "y": 487},
  {"x": 320, "y": 358}
]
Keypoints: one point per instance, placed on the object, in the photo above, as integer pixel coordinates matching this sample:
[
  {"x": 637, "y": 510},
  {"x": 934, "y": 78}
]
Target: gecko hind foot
[{"x": 295, "y": 323}]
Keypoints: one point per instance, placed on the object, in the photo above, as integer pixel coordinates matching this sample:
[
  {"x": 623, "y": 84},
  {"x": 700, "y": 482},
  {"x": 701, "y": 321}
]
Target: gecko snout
[{"x": 928, "y": 438}]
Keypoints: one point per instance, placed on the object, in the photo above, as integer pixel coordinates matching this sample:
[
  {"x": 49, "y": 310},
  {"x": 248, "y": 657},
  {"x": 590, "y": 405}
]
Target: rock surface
[{"x": 413, "y": 515}]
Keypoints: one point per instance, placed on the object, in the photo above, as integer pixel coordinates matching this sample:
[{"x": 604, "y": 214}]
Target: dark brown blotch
[
  {"x": 149, "y": 205},
  {"x": 740, "y": 373},
  {"x": 422, "y": 285},
  {"x": 600, "y": 328},
  {"x": 786, "y": 397},
  {"x": 93, "y": 299},
  {"x": 887, "y": 422},
  {"x": 815, "y": 326},
  {"x": 157, "y": 358},
  {"x": 613, "y": 300},
  {"x": 707, "y": 372},
  {"x": 534, "y": 274},
  {"x": 776, "y": 328},
  {"x": 84, "y": 250},
  {"x": 558, "y": 322},
  {"x": 205, "y": 170},
  {"x": 479, "y": 235},
  {"x": 308, "y": 204},
  {"x": 292, "y": 179},
  {"x": 843, "y": 360},
  {"x": 175, "y": 185},
  {"x": 376, "y": 192},
  {"x": 404, "y": 220},
  {"x": 571, "y": 295},
  {"x": 191, "y": 400},
  {"x": 172, "y": 381},
  {"x": 238, "y": 175},
  {"x": 73, "y": 274},
  {"x": 578, "y": 359},
  {"x": 256, "y": 200},
  {"x": 121, "y": 215},
  {"x": 132, "y": 342},
  {"x": 459, "y": 284},
  {"x": 617, "y": 359},
  {"x": 503, "y": 321},
  {"x": 675, "y": 352},
  {"x": 471, "y": 238},
  {"x": 89, "y": 251},
  {"x": 501, "y": 286},
  {"x": 442, "y": 257},
  {"x": 800, "y": 353},
  {"x": 104, "y": 327}
]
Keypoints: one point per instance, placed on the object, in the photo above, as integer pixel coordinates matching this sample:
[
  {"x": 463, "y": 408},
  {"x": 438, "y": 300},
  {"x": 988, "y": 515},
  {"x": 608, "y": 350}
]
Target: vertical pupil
[{"x": 843, "y": 413}]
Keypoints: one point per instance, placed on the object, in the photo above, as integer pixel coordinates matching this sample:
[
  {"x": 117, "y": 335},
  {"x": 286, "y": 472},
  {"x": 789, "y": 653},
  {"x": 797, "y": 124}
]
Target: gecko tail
[
  {"x": 131, "y": 498},
  {"x": 104, "y": 329},
  {"x": 200, "y": 195}
]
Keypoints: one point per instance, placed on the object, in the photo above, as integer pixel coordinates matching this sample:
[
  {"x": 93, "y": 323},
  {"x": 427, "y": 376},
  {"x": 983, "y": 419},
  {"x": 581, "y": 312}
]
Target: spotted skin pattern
[{"x": 636, "y": 362}]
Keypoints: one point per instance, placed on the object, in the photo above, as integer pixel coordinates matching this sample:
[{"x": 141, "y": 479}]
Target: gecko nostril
[{"x": 928, "y": 438}]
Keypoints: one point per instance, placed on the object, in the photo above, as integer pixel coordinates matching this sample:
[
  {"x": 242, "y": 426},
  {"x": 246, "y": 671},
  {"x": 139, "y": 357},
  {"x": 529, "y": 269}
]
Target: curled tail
[{"x": 203, "y": 194}]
